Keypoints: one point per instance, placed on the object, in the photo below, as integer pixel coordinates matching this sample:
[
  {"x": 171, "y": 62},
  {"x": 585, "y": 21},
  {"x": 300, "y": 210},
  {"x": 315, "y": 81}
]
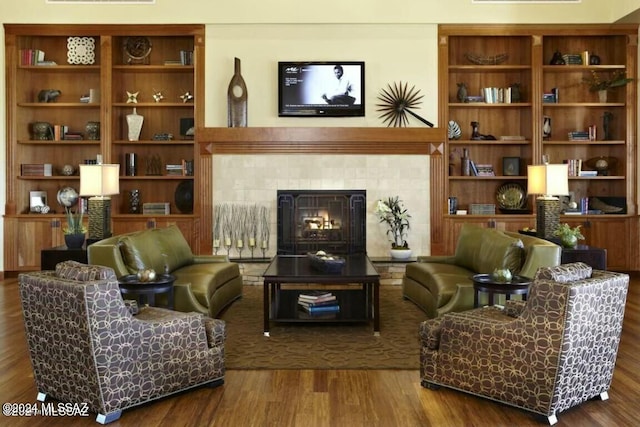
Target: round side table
[
  {"x": 145, "y": 292},
  {"x": 519, "y": 285}
]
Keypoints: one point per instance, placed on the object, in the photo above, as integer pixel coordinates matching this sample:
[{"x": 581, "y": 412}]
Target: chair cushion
[
  {"x": 73, "y": 270},
  {"x": 483, "y": 250},
  {"x": 565, "y": 272},
  {"x": 156, "y": 249}
]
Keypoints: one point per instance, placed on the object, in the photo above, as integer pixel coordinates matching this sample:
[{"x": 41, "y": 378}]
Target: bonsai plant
[
  {"x": 75, "y": 229},
  {"x": 568, "y": 236},
  {"x": 395, "y": 215}
]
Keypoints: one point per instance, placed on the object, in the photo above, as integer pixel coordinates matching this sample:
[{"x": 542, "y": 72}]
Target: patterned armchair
[
  {"x": 87, "y": 347},
  {"x": 554, "y": 351}
]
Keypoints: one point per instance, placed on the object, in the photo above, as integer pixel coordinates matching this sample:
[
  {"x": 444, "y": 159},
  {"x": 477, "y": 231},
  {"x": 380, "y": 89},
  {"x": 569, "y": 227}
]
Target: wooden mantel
[
  {"x": 335, "y": 140},
  {"x": 323, "y": 140}
]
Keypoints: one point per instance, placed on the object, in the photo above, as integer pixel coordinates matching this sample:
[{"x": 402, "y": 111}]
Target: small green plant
[
  {"x": 568, "y": 236},
  {"x": 74, "y": 223},
  {"x": 393, "y": 212}
]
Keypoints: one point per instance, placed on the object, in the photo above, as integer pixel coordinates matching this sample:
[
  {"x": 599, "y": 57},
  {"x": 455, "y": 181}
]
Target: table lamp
[
  {"x": 548, "y": 181},
  {"x": 99, "y": 181}
]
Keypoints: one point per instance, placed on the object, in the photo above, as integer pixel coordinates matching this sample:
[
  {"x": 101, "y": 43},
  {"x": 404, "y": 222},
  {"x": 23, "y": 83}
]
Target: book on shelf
[
  {"x": 484, "y": 170},
  {"x": 331, "y": 301},
  {"x": 497, "y": 95},
  {"x": 314, "y": 295},
  {"x": 574, "y": 166},
  {"x": 318, "y": 300},
  {"x": 322, "y": 309}
]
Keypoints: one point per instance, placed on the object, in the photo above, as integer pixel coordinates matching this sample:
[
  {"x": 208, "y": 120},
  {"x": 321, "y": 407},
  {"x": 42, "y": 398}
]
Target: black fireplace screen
[{"x": 330, "y": 220}]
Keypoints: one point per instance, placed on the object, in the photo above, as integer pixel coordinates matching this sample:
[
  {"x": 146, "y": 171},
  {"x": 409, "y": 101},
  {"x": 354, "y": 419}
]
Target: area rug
[{"x": 323, "y": 346}]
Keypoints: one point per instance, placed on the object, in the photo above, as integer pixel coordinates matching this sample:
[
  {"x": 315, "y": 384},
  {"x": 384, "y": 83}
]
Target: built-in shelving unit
[
  {"x": 522, "y": 59},
  {"x": 84, "y": 59}
]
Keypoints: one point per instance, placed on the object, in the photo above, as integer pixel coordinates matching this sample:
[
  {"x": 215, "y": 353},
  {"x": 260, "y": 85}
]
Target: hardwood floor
[{"x": 325, "y": 397}]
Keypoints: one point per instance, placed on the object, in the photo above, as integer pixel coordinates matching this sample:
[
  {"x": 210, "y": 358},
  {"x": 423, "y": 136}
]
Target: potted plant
[
  {"x": 568, "y": 236},
  {"x": 597, "y": 83},
  {"x": 392, "y": 212},
  {"x": 75, "y": 229}
]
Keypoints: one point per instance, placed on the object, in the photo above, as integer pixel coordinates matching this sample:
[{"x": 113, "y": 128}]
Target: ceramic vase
[
  {"x": 134, "y": 125},
  {"x": 237, "y": 99},
  {"x": 546, "y": 127},
  {"x": 569, "y": 241},
  {"x": 92, "y": 130},
  {"x": 602, "y": 96},
  {"x": 74, "y": 241},
  {"x": 400, "y": 253}
]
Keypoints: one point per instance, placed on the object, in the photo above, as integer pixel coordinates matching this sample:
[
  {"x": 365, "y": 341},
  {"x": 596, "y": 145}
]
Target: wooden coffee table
[
  {"x": 519, "y": 285},
  {"x": 359, "y": 298}
]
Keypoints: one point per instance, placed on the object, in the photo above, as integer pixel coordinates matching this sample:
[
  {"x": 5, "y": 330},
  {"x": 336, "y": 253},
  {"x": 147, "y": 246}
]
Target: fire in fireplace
[{"x": 330, "y": 220}]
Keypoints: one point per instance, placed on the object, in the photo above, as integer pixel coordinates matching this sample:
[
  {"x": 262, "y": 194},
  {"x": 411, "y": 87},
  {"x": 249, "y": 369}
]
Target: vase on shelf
[
  {"x": 134, "y": 125},
  {"x": 602, "y": 95}
]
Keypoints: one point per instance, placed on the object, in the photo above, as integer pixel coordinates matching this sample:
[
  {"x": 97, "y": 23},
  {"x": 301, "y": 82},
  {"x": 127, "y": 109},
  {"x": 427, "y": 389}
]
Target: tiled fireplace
[{"x": 256, "y": 178}]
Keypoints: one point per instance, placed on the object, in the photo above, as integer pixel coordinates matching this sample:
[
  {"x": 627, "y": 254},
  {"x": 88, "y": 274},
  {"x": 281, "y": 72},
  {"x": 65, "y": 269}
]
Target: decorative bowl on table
[{"x": 325, "y": 262}]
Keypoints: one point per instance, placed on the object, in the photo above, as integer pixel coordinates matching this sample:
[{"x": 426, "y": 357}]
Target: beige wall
[{"x": 396, "y": 39}]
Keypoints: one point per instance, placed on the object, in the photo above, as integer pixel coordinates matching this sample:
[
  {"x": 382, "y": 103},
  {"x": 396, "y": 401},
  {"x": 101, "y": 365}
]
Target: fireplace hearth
[{"x": 330, "y": 220}]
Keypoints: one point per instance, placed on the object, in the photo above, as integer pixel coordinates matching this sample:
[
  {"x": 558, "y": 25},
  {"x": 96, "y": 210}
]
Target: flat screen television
[{"x": 321, "y": 89}]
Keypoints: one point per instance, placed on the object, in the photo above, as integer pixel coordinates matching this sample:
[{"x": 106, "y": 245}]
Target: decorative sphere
[
  {"x": 146, "y": 275},
  {"x": 502, "y": 275},
  {"x": 67, "y": 197},
  {"x": 68, "y": 170}
]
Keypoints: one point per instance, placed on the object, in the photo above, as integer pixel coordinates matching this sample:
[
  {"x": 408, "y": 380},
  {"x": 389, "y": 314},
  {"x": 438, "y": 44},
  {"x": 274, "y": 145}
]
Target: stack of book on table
[{"x": 318, "y": 302}]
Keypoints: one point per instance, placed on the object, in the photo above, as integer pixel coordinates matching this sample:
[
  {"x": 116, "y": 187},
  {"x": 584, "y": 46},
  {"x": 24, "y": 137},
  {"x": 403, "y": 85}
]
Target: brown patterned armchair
[
  {"x": 87, "y": 347},
  {"x": 547, "y": 354}
]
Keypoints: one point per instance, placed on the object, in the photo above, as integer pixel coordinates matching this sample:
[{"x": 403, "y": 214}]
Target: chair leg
[
  {"x": 214, "y": 384},
  {"x": 41, "y": 397},
  {"x": 430, "y": 386},
  {"x": 552, "y": 419},
  {"x": 604, "y": 395},
  {"x": 107, "y": 418}
]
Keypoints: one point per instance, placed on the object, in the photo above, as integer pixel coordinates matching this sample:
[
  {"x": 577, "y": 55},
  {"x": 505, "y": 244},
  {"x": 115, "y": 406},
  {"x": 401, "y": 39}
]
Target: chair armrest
[
  {"x": 108, "y": 255},
  {"x": 429, "y": 333},
  {"x": 216, "y": 331},
  {"x": 514, "y": 308},
  {"x": 442, "y": 259},
  {"x": 205, "y": 259}
]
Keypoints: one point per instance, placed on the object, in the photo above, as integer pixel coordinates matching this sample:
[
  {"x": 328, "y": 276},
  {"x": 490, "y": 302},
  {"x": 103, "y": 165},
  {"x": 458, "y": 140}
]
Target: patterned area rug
[{"x": 323, "y": 346}]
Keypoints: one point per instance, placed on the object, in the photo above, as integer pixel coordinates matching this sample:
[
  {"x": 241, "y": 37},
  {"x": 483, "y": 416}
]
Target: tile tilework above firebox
[{"x": 240, "y": 178}]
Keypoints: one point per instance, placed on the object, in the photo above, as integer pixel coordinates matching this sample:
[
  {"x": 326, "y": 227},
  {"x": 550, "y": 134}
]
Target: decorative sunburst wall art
[{"x": 397, "y": 101}]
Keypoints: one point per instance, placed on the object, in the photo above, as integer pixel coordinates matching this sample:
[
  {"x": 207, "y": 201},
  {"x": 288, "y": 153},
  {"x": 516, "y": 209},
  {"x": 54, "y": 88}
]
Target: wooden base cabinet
[{"x": 25, "y": 237}]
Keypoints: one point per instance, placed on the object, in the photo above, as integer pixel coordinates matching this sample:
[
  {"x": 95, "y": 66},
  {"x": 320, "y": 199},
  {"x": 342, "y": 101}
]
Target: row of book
[
  {"x": 497, "y": 95},
  {"x": 318, "y": 302},
  {"x": 481, "y": 169},
  {"x": 575, "y": 168}
]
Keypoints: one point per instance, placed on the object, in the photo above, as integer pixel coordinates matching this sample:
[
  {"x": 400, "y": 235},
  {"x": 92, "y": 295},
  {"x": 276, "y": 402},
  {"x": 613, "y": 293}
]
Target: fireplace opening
[{"x": 330, "y": 220}]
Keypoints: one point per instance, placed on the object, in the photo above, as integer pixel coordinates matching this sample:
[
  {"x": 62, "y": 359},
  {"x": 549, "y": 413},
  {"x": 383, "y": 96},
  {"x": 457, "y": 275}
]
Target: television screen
[{"x": 308, "y": 89}]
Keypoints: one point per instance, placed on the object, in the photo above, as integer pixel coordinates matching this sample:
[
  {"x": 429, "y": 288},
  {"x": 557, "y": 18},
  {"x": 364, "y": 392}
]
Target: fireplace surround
[{"x": 330, "y": 220}]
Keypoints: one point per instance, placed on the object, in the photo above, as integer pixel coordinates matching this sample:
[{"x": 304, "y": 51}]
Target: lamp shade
[
  {"x": 99, "y": 180},
  {"x": 548, "y": 180}
]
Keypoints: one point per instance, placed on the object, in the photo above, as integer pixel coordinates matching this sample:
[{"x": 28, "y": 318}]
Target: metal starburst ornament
[{"x": 397, "y": 101}]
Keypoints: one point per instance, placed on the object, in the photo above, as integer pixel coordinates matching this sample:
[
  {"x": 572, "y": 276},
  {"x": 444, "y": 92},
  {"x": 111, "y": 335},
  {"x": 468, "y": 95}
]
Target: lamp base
[
  {"x": 547, "y": 217},
  {"x": 99, "y": 218}
]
